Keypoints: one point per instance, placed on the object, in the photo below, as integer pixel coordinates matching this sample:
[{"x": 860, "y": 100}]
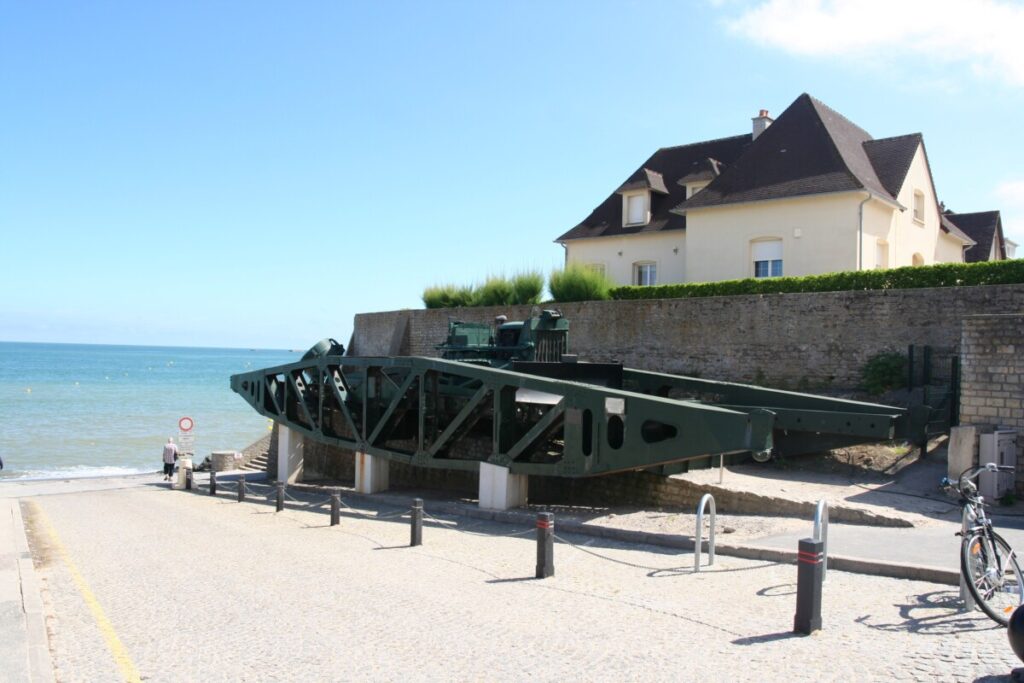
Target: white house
[{"x": 807, "y": 193}]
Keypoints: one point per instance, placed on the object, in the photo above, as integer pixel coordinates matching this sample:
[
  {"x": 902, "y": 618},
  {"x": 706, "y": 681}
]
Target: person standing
[{"x": 170, "y": 455}]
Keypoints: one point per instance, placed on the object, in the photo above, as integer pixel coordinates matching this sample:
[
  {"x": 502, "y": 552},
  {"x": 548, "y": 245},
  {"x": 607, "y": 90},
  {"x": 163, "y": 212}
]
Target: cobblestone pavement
[{"x": 203, "y": 588}]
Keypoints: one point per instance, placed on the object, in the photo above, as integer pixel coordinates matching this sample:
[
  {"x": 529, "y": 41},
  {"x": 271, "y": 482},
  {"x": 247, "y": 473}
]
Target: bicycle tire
[{"x": 997, "y": 591}]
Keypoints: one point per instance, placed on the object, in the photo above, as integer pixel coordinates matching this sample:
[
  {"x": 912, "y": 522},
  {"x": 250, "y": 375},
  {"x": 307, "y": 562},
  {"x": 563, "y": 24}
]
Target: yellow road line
[{"x": 114, "y": 644}]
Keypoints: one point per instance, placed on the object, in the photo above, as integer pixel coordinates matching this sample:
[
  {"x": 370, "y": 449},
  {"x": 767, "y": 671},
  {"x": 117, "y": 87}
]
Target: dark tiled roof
[
  {"x": 809, "y": 149},
  {"x": 983, "y": 227},
  {"x": 703, "y": 169},
  {"x": 891, "y": 158},
  {"x": 950, "y": 227},
  {"x": 644, "y": 179},
  {"x": 672, "y": 163}
]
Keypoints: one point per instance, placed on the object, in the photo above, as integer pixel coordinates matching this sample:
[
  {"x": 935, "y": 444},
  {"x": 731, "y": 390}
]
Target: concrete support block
[
  {"x": 962, "y": 449},
  {"x": 371, "y": 473},
  {"x": 289, "y": 455},
  {"x": 500, "y": 489}
]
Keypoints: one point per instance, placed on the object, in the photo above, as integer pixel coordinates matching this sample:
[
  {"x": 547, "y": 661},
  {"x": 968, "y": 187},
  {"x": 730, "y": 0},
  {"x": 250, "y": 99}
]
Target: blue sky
[{"x": 253, "y": 174}]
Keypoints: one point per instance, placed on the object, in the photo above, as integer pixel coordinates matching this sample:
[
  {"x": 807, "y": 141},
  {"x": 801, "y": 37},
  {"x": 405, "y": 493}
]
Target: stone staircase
[{"x": 258, "y": 463}]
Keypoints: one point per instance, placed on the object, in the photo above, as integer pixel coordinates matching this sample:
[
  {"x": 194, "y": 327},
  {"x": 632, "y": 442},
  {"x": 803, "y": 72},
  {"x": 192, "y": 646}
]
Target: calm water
[{"x": 71, "y": 410}]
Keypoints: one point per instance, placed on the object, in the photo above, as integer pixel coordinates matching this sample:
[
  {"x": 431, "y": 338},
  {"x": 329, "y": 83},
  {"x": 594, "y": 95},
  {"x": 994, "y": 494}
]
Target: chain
[
  {"x": 454, "y": 527},
  {"x": 612, "y": 559}
]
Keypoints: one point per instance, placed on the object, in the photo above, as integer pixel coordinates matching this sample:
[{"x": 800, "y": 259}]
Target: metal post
[
  {"x": 965, "y": 594},
  {"x": 698, "y": 536},
  {"x": 954, "y": 392},
  {"x": 280, "y": 496},
  {"x": 545, "y": 545},
  {"x": 821, "y": 534},
  {"x": 188, "y": 479},
  {"x": 213, "y": 483},
  {"x": 910, "y": 366},
  {"x": 809, "y": 562},
  {"x": 241, "y": 488},
  {"x": 721, "y": 468},
  {"x": 416, "y": 535},
  {"x": 335, "y": 508},
  {"x": 926, "y": 366}
]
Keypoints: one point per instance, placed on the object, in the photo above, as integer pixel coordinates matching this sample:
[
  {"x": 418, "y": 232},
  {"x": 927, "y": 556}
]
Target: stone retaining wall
[
  {"x": 992, "y": 376},
  {"x": 805, "y": 341}
]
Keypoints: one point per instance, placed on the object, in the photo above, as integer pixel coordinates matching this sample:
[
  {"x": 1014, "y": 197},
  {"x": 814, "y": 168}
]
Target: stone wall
[
  {"x": 992, "y": 376},
  {"x": 807, "y": 341}
]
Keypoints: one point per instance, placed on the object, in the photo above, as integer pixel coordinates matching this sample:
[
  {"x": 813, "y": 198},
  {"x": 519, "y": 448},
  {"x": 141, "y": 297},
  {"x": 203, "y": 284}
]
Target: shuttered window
[{"x": 767, "y": 256}]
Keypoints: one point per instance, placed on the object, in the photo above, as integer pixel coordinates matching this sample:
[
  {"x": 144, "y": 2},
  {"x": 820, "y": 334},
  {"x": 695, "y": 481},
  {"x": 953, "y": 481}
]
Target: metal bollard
[
  {"x": 416, "y": 533},
  {"x": 280, "y": 496},
  {"x": 188, "y": 479},
  {"x": 545, "y": 545},
  {"x": 810, "y": 562},
  {"x": 241, "y": 488},
  {"x": 335, "y": 508},
  {"x": 213, "y": 483}
]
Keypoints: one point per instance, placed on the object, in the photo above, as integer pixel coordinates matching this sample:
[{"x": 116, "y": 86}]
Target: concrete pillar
[
  {"x": 499, "y": 489},
  {"x": 371, "y": 473},
  {"x": 289, "y": 455}
]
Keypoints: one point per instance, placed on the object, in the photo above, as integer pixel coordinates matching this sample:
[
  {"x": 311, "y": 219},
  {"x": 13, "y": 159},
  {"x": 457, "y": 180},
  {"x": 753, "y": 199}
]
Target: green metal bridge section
[{"x": 564, "y": 419}]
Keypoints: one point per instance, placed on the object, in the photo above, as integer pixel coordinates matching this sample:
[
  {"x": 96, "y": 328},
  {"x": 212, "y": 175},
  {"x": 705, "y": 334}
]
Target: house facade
[{"x": 806, "y": 193}]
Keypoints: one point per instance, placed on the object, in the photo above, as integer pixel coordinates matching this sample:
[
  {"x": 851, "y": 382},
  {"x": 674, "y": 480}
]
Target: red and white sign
[{"x": 185, "y": 424}]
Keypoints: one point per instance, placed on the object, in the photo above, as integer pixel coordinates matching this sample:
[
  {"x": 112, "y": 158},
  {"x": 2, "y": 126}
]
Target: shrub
[
  {"x": 884, "y": 371},
  {"x": 527, "y": 287},
  {"x": 579, "y": 283},
  {"x": 910, "y": 277},
  {"x": 447, "y": 296},
  {"x": 495, "y": 291}
]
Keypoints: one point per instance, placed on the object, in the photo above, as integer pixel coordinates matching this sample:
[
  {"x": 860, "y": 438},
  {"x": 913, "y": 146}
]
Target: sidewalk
[{"x": 24, "y": 649}]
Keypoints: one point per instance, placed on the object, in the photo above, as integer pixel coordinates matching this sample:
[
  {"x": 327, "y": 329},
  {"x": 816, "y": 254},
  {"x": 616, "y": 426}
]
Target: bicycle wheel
[{"x": 993, "y": 575}]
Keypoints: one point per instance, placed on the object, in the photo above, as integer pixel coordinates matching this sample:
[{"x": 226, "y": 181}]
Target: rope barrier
[
  {"x": 454, "y": 527},
  {"x": 615, "y": 560}
]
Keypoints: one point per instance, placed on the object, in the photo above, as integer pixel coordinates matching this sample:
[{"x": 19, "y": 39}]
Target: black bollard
[
  {"x": 188, "y": 479},
  {"x": 416, "y": 536},
  {"x": 241, "y": 488},
  {"x": 545, "y": 545},
  {"x": 809, "y": 562},
  {"x": 213, "y": 483},
  {"x": 280, "y": 496},
  {"x": 335, "y": 508}
]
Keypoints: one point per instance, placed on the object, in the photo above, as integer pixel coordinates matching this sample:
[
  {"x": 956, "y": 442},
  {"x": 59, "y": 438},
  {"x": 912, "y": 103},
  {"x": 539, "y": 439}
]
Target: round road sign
[{"x": 185, "y": 424}]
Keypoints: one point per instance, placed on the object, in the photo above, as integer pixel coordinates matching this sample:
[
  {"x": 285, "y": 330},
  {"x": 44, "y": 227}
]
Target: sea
[{"x": 85, "y": 410}]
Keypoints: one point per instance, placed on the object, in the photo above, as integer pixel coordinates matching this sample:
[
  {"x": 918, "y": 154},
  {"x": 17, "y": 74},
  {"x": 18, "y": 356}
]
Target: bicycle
[{"x": 987, "y": 562}]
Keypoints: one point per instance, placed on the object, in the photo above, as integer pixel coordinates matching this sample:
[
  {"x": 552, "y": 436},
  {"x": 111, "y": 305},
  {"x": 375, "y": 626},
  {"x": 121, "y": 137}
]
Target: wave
[{"x": 74, "y": 472}]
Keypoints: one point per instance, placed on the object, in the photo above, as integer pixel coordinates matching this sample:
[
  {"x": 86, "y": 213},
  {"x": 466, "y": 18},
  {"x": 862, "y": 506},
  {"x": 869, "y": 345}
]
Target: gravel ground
[{"x": 201, "y": 588}]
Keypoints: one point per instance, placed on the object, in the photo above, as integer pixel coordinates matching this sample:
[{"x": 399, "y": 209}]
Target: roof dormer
[{"x": 636, "y": 196}]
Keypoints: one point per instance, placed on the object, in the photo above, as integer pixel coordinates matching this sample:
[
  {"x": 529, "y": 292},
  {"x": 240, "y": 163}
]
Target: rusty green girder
[{"x": 555, "y": 419}]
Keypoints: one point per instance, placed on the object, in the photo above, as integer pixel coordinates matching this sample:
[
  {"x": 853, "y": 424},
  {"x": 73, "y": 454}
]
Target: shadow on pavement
[{"x": 936, "y": 613}]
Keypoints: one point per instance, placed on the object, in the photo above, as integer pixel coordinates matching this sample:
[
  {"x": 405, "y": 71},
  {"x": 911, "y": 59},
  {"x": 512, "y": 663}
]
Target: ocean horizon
[{"x": 72, "y": 410}]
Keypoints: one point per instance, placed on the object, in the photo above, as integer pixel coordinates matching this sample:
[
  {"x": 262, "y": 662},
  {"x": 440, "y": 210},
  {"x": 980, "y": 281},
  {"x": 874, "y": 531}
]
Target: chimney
[{"x": 761, "y": 122}]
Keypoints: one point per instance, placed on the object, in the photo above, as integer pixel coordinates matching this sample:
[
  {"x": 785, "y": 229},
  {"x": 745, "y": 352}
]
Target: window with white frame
[
  {"x": 919, "y": 206},
  {"x": 767, "y": 257},
  {"x": 645, "y": 273},
  {"x": 635, "y": 208},
  {"x": 595, "y": 267}
]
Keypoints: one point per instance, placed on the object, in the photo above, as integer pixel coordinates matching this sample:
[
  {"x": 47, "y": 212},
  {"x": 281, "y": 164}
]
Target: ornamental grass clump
[
  {"x": 448, "y": 296},
  {"x": 495, "y": 291},
  {"x": 579, "y": 283},
  {"x": 527, "y": 287}
]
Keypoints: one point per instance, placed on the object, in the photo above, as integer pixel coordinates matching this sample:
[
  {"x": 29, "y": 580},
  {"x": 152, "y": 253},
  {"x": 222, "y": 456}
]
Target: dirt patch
[
  {"x": 39, "y": 540},
  {"x": 865, "y": 462}
]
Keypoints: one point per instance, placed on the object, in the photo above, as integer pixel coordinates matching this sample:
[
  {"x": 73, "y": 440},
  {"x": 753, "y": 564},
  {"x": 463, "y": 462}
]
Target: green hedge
[{"x": 910, "y": 277}]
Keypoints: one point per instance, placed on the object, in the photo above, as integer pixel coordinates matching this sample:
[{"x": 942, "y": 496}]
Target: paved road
[{"x": 179, "y": 586}]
